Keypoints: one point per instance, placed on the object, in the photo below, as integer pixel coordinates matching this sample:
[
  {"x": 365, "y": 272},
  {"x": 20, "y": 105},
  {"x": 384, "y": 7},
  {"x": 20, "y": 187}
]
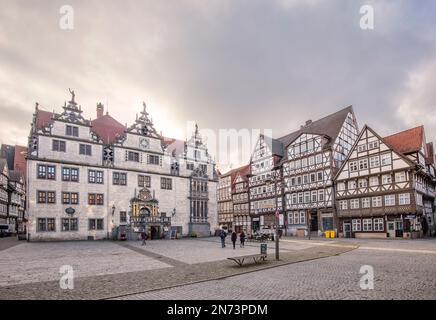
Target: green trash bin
[{"x": 263, "y": 248}]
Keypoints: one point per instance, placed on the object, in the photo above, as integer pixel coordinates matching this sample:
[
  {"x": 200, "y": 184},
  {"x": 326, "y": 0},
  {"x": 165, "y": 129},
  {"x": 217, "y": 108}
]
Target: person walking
[
  {"x": 242, "y": 239},
  {"x": 234, "y": 237},
  {"x": 223, "y": 236},
  {"x": 143, "y": 237}
]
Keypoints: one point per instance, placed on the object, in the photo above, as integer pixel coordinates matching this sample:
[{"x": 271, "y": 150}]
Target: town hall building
[{"x": 96, "y": 179}]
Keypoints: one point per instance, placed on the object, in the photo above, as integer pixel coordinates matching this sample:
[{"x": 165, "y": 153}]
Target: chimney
[
  {"x": 308, "y": 122},
  {"x": 100, "y": 110}
]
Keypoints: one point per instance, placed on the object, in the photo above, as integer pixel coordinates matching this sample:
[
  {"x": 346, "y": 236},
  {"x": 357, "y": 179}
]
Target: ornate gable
[
  {"x": 72, "y": 112},
  {"x": 143, "y": 125}
]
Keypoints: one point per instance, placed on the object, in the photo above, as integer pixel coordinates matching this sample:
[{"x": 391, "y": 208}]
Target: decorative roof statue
[{"x": 73, "y": 95}]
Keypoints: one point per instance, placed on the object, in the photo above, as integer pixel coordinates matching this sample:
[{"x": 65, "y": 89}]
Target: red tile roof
[
  {"x": 20, "y": 159},
  {"x": 43, "y": 118},
  {"x": 406, "y": 141},
  {"x": 107, "y": 129}
]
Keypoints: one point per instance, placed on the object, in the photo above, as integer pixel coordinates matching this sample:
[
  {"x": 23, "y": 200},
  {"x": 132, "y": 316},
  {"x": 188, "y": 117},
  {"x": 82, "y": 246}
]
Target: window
[
  {"x": 400, "y": 176},
  {"x": 343, "y": 205},
  {"x": 70, "y": 198},
  {"x": 390, "y": 200},
  {"x": 299, "y": 180},
  {"x": 385, "y": 159},
  {"x": 312, "y": 177},
  {"x": 190, "y": 166},
  {"x": 386, "y": 179},
  {"x": 203, "y": 168},
  {"x": 46, "y": 172},
  {"x": 59, "y": 145},
  {"x": 363, "y": 164},
  {"x": 404, "y": 198},
  {"x": 307, "y": 197},
  {"x": 46, "y": 224},
  {"x": 123, "y": 216},
  {"x": 302, "y": 217},
  {"x": 356, "y": 224},
  {"x": 353, "y": 166},
  {"x": 363, "y": 183},
  {"x": 152, "y": 159},
  {"x": 366, "y": 203},
  {"x": 351, "y": 184},
  {"x": 305, "y": 179},
  {"x": 133, "y": 156},
  {"x": 378, "y": 224},
  {"x": 374, "y": 162},
  {"x": 119, "y": 178},
  {"x": 320, "y": 175},
  {"x": 72, "y": 131},
  {"x": 294, "y": 198},
  {"x": 166, "y": 183},
  {"x": 376, "y": 202},
  {"x": 144, "y": 181},
  {"x": 373, "y": 181},
  {"x": 85, "y": 149},
  {"x": 70, "y": 174},
  {"x": 354, "y": 204},
  {"x": 46, "y": 197},
  {"x": 314, "y": 196},
  {"x": 311, "y": 161},
  {"x": 69, "y": 224},
  {"x": 95, "y": 224},
  {"x": 300, "y": 197},
  {"x": 321, "y": 195},
  {"x": 361, "y": 148},
  {"x": 341, "y": 186},
  {"x": 95, "y": 176},
  {"x": 367, "y": 224},
  {"x": 95, "y": 199},
  {"x": 372, "y": 145},
  {"x": 296, "y": 218},
  {"x": 290, "y": 218},
  {"x": 318, "y": 158}
]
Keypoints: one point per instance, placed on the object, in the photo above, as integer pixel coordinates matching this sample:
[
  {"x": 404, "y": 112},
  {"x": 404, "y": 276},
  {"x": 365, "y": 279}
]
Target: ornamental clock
[{"x": 143, "y": 143}]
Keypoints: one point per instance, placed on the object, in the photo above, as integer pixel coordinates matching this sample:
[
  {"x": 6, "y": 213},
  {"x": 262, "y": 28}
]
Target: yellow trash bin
[
  {"x": 327, "y": 234},
  {"x": 332, "y": 234}
]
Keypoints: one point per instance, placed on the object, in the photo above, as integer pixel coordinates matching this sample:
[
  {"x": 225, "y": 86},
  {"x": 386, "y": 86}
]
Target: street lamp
[{"x": 277, "y": 222}]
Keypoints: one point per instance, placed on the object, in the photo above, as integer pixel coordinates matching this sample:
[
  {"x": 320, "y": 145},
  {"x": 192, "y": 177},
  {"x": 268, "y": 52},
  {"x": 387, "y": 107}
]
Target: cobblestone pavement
[
  {"x": 9, "y": 242},
  {"x": 117, "y": 284},
  {"x": 397, "y": 275},
  {"x": 41, "y": 261}
]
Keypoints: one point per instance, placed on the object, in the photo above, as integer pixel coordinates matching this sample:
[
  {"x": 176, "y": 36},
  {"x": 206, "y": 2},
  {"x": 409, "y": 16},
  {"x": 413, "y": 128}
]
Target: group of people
[{"x": 234, "y": 238}]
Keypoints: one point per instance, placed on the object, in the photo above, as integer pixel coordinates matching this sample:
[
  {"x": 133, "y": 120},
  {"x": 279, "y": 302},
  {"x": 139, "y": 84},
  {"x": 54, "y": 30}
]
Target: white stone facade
[{"x": 132, "y": 152}]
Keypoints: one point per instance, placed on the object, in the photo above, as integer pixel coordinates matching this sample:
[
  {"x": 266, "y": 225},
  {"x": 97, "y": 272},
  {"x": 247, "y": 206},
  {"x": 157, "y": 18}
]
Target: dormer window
[{"x": 72, "y": 131}]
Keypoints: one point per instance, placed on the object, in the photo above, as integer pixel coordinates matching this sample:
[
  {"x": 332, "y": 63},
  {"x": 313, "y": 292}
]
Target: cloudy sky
[{"x": 222, "y": 63}]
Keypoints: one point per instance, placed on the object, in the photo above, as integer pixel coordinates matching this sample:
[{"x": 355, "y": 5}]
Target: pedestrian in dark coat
[
  {"x": 223, "y": 236},
  {"x": 143, "y": 237},
  {"x": 242, "y": 239},
  {"x": 234, "y": 237}
]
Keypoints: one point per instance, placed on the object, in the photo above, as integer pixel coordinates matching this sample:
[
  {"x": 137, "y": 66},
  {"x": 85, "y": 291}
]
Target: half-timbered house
[{"x": 381, "y": 187}]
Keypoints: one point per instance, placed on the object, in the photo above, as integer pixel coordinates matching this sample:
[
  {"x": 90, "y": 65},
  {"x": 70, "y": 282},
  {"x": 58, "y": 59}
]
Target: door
[
  {"x": 398, "y": 228},
  {"x": 155, "y": 232},
  {"x": 391, "y": 229},
  {"x": 347, "y": 230}
]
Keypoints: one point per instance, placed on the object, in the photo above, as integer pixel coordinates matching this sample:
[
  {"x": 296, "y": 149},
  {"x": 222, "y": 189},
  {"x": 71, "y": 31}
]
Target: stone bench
[{"x": 257, "y": 258}]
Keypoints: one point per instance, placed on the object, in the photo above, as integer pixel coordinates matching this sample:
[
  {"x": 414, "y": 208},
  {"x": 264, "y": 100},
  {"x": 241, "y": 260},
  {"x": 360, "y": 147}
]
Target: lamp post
[{"x": 276, "y": 215}]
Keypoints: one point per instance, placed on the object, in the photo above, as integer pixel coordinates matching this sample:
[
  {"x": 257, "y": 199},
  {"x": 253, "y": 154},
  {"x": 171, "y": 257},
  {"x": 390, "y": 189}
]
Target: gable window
[
  {"x": 374, "y": 162},
  {"x": 353, "y": 166},
  {"x": 385, "y": 159},
  {"x": 153, "y": 159},
  {"x": 59, "y": 145},
  {"x": 133, "y": 156},
  {"x": 361, "y": 148},
  {"x": 85, "y": 149},
  {"x": 372, "y": 145},
  {"x": 166, "y": 183},
  {"x": 400, "y": 176},
  {"x": 386, "y": 179},
  {"x": 72, "y": 131},
  {"x": 363, "y": 164}
]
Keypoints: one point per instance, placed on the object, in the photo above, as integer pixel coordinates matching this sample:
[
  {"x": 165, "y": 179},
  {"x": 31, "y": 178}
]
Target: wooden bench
[{"x": 257, "y": 258}]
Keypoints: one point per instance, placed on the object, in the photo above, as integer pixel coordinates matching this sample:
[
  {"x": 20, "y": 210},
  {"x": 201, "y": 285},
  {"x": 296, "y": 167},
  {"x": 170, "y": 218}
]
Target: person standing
[
  {"x": 242, "y": 239},
  {"x": 143, "y": 237},
  {"x": 234, "y": 237},
  {"x": 223, "y": 238}
]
